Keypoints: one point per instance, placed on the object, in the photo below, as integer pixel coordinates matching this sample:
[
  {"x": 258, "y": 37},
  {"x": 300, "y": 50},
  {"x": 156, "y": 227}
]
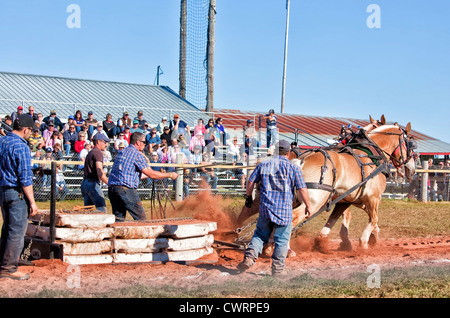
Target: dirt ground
[{"x": 221, "y": 267}]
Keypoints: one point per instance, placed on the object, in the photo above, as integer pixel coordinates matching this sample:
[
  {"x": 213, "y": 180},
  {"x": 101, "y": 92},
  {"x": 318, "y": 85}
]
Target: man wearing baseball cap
[
  {"x": 278, "y": 178},
  {"x": 16, "y": 195},
  {"x": 93, "y": 174}
]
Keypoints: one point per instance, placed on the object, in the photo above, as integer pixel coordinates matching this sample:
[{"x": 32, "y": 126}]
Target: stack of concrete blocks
[{"x": 95, "y": 238}]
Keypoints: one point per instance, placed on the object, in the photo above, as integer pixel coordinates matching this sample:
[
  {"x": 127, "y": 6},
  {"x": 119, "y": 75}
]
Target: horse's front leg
[
  {"x": 345, "y": 245},
  {"x": 370, "y": 232}
]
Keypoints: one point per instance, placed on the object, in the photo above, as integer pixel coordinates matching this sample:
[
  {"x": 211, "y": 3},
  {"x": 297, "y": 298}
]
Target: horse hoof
[
  {"x": 372, "y": 240},
  {"x": 291, "y": 253},
  {"x": 321, "y": 245},
  {"x": 345, "y": 247},
  {"x": 363, "y": 246}
]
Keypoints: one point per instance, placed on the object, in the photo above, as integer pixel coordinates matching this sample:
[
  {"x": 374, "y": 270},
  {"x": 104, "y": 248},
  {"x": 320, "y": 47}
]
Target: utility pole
[
  {"x": 210, "y": 56},
  {"x": 285, "y": 56}
]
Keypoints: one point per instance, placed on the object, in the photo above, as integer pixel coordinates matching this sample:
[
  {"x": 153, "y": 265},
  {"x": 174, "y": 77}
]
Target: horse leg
[
  {"x": 372, "y": 227},
  {"x": 320, "y": 242},
  {"x": 345, "y": 245}
]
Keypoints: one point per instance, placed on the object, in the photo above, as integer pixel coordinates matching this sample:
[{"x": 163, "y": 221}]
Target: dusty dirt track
[{"x": 221, "y": 267}]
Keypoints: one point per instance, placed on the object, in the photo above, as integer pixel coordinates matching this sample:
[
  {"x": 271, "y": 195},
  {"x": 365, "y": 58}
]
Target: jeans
[
  {"x": 281, "y": 236},
  {"x": 272, "y": 136},
  {"x": 15, "y": 221},
  {"x": 93, "y": 194},
  {"x": 125, "y": 199},
  {"x": 208, "y": 179}
]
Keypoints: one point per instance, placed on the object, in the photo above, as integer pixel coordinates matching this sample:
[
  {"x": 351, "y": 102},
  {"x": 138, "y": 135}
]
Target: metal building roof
[{"x": 66, "y": 95}]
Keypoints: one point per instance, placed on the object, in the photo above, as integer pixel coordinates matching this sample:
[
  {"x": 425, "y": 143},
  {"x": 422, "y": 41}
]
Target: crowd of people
[{"x": 72, "y": 139}]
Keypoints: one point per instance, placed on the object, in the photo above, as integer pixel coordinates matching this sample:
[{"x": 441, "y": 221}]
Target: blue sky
[{"x": 337, "y": 65}]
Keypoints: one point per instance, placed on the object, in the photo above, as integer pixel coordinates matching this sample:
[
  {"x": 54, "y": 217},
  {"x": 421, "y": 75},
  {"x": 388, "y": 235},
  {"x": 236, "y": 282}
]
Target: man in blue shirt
[
  {"x": 16, "y": 195},
  {"x": 278, "y": 179},
  {"x": 128, "y": 169}
]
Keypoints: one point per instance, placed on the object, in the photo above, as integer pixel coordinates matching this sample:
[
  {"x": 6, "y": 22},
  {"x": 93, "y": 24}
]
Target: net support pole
[
  {"x": 182, "y": 61},
  {"x": 210, "y": 54}
]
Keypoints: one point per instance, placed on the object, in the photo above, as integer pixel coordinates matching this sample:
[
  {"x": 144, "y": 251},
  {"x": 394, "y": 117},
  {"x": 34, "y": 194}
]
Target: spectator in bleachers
[
  {"x": 166, "y": 135},
  {"x": 210, "y": 146},
  {"x": 220, "y": 133},
  {"x": 40, "y": 123},
  {"x": 233, "y": 154},
  {"x": 152, "y": 141},
  {"x": 79, "y": 144},
  {"x": 47, "y": 166},
  {"x": 78, "y": 120},
  {"x": 70, "y": 137},
  {"x": 176, "y": 151},
  {"x": 52, "y": 118},
  {"x": 441, "y": 194},
  {"x": 241, "y": 173},
  {"x": 47, "y": 133},
  {"x": 36, "y": 140},
  {"x": 209, "y": 129},
  {"x": 109, "y": 127},
  {"x": 17, "y": 113},
  {"x": 271, "y": 124},
  {"x": 32, "y": 113},
  {"x": 135, "y": 127},
  {"x": 197, "y": 141},
  {"x": 120, "y": 141},
  {"x": 161, "y": 125},
  {"x": 6, "y": 125},
  {"x": 92, "y": 123},
  {"x": 247, "y": 148},
  {"x": 208, "y": 174},
  {"x": 125, "y": 120},
  {"x": 147, "y": 129},
  {"x": 163, "y": 154},
  {"x": 200, "y": 127},
  {"x": 184, "y": 145},
  {"x": 83, "y": 153},
  {"x": 197, "y": 156},
  {"x": 53, "y": 139},
  {"x": 250, "y": 133},
  {"x": 70, "y": 121},
  {"x": 127, "y": 133},
  {"x": 141, "y": 120},
  {"x": 178, "y": 126},
  {"x": 85, "y": 129},
  {"x": 107, "y": 157},
  {"x": 173, "y": 144},
  {"x": 99, "y": 130},
  {"x": 61, "y": 187},
  {"x": 57, "y": 152}
]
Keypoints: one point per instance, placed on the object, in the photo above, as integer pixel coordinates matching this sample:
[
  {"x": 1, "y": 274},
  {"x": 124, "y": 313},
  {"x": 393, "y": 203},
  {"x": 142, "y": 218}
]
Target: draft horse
[{"x": 332, "y": 172}]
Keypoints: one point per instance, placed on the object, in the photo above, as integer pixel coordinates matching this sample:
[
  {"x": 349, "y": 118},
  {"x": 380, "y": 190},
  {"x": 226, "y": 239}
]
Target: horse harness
[{"x": 359, "y": 141}]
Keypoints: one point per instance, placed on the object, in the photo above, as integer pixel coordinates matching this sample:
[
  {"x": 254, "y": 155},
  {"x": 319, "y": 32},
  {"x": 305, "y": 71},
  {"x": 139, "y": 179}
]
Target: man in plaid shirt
[
  {"x": 278, "y": 179},
  {"x": 130, "y": 166},
  {"x": 16, "y": 195}
]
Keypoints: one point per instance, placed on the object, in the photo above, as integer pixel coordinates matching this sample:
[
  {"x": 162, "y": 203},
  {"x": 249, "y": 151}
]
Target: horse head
[{"x": 397, "y": 145}]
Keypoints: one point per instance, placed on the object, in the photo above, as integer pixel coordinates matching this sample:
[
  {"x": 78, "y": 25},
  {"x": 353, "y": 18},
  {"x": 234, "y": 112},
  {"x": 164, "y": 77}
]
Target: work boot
[
  {"x": 246, "y": 264},
  {"x": 16, "y": 275},
  {"x": 279, "y": 274}
]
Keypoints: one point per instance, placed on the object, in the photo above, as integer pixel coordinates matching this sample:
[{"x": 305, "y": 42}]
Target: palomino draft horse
[{"x": 333, "y": 172}]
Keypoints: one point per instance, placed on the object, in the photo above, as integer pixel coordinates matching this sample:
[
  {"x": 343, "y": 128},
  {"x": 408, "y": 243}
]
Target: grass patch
[{"x": 414, "y": 282}]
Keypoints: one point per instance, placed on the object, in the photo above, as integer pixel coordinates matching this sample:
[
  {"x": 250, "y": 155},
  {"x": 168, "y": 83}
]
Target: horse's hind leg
[{"x": 320, "y": 242}]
